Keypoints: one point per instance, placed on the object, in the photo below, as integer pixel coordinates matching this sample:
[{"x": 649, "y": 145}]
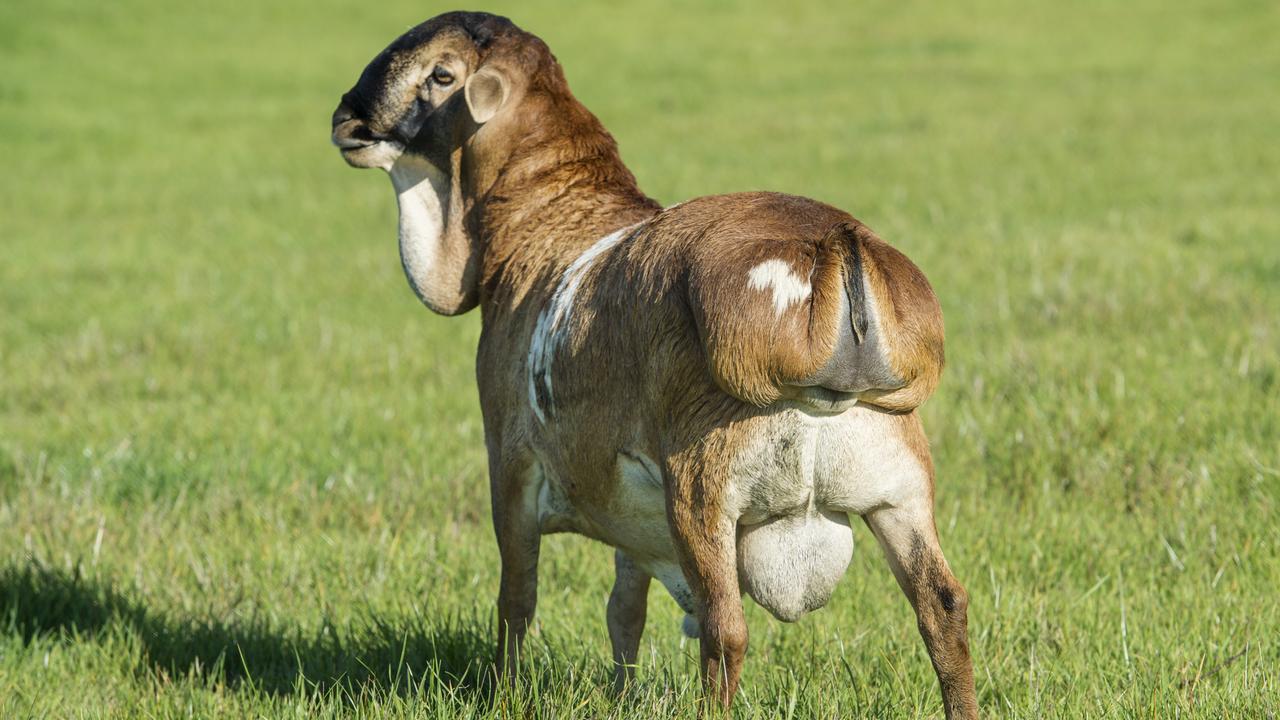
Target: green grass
[{"x": 242, "y": 470}]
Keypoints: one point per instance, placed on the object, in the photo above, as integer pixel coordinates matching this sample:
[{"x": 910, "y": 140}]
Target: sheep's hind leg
[
  {"x": 707, "y": 548},
  {"x": 910, "y": 543},
  {"x": 628, "y": 604}
]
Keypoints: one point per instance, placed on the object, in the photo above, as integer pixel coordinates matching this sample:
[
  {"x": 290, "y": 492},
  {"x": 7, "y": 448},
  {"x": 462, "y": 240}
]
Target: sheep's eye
[{"x": 442, "y": 76}]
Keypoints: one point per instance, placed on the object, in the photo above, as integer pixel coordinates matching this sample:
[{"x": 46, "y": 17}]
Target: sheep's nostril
[
  {"x": 342, "y": 114},
  {"x": 349, "y": 131},
  {"x": 351, "y": 134}
]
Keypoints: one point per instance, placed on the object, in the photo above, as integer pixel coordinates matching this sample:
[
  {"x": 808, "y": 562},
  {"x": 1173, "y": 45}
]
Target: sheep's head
[
  {"x": 429, "y": 91},
  {"x": 437, "y": 110}
]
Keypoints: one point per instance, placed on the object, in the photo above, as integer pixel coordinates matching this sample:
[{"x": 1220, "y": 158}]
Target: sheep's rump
[{"x": 794, "y": 298}]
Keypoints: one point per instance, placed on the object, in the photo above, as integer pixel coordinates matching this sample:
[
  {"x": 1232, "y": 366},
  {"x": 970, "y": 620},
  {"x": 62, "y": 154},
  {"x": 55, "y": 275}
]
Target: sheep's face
[{"x": 424, "y": 94}]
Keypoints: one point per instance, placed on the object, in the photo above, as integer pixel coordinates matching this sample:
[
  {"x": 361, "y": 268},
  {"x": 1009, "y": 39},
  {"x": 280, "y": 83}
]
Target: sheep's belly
[{"x": 790, "y": 565}]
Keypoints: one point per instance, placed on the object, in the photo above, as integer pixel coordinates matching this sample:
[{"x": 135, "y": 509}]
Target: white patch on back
[
  {"x": 548, "y": 333},
  {"x": 788, "y": 288}
]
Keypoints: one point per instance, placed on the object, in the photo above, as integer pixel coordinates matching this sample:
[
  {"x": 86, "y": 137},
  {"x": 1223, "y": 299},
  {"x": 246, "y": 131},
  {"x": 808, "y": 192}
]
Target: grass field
[{"x": 242, "y": 469}]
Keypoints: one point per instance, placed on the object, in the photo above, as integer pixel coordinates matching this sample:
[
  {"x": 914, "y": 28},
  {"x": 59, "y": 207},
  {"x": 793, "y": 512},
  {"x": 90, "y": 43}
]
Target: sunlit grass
[{"x": 242, "y": 470}]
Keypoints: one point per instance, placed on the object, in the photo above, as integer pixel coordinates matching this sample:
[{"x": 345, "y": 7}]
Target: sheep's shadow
[{"x": 453, "y": 652}]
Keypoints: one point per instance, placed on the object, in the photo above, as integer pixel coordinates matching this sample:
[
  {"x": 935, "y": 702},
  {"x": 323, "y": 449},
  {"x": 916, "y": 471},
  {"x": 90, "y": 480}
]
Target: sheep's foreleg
[{"x": 515, "y": 521}]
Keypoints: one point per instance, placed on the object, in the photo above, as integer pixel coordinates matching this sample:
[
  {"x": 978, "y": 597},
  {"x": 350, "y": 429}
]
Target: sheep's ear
[{"x": 486, "y": 93}]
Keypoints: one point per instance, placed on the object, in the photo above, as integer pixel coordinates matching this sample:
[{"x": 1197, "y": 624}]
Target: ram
[{"x": 713, "y": 389}]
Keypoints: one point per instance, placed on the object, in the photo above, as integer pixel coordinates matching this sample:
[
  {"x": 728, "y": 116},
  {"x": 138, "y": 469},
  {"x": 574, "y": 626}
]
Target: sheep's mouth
[
  {"x": 359, "y": 145},
  {"x": 351, "y": 144},
  {"x": 354, "y": 135},
  {"x": 366, "y": 153}
]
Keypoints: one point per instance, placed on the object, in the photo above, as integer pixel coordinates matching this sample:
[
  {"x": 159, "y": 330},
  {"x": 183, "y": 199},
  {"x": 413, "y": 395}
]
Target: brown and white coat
[{"x": 714, "y": 389}]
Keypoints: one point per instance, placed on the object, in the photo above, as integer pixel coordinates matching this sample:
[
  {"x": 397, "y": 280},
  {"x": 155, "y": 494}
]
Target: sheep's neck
[{"x": 553, "y": 197}]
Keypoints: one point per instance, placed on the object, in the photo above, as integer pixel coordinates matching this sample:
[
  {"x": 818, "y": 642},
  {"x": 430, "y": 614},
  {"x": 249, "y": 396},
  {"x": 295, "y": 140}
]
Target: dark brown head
[{"x": 431, "y": 89}]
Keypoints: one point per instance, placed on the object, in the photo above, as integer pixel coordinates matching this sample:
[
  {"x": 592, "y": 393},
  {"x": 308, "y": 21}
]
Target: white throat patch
[
  {"x": 788, "y": 288},
  {"x": 421, "y": 190}
]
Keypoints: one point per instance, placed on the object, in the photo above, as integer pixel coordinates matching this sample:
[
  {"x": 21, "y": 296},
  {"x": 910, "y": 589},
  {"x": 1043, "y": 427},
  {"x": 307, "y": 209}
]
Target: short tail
[{"x": 854, "y": 286}]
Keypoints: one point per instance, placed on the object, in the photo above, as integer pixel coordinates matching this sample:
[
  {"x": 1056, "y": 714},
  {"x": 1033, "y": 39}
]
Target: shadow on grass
[{"x": 407, "y": 658}]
